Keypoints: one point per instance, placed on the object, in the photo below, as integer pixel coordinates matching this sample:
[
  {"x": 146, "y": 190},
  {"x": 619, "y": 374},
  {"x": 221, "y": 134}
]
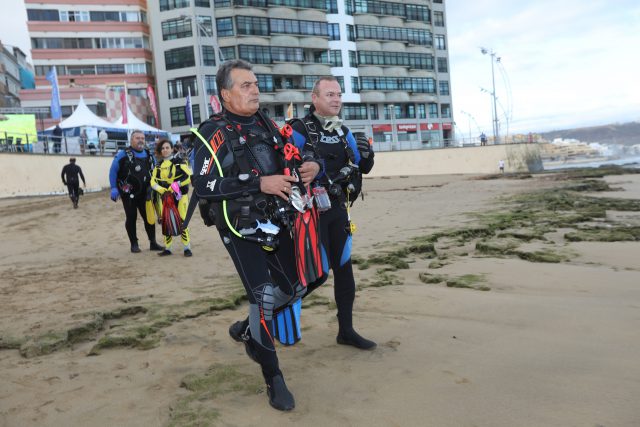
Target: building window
[
  {"x": 373, "y": 111},
  {"x": 224, "y": 27},
  {"x": 335, "y": 58},
  {"x": 202, "y": 3},
  {"x": 265, "y": 82},
  {"x": 438, "y": 19},
  {"x": 255, "y": 54},
  {"x": 422, "y": 111},
  {"x": 351, "y": 33},
  {"x": 227, "y": 53},
  {"x": 433, "y": 110},
  {"x": 354, "y": 111},
  {"x": 442, "y": 65},
  {"x": 332, "y": 6},
  {"x": 421, "y": 61},
  {"x": 74, "y": 16},
  {"x": 43, "y": 15},
  {"x": 210, "y": 85},
  {"x": 252, "y": 25},
  {"x": 173, "y": 4},
  {"x": 440, "y": 42},
  {"x": 334, "y": 31},
  {"x": 445, "y": 111},
  {"x": 181, "y": 57},
  {"x": 179, "y": 88},
  {"x": 410, "y": 35},
  {"x": 205, "y": 26},
  {"x": 355, "y": 85},
  {"x": 110, "y": 69},
  {"x": 176, "y": 29},
  {"x": 353, "y": 59},
  {"x": 221, "y": 3},
  {"x": 208, "y": 56},
  {"x": 409, "y": 84},
  {"x": 287, "y": 54},
  {"x": 293, "y": 26},
  {"x": 311, "y": 4},
  {"x": 179, "y": 115},
  {"x": 443, "y": 87},
  {"x": 136, "y": 68}
]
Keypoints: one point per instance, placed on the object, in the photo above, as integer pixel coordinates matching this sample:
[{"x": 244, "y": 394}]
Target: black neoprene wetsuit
[
  {"x": 69, "y": 175},
  {"x": 270, "y": 278},
  {"x": 332, "y": 149}
]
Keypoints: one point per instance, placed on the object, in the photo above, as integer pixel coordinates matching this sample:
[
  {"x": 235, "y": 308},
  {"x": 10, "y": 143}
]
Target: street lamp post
[
  {"x": 492, "y": 55},
  {"x": 394, "y": 133}
]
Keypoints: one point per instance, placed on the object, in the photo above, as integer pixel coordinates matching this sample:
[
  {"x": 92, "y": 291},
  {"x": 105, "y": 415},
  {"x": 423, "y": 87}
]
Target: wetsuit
[
  {"x": 130, "y": 173},
  {"x": 70, "y": 178},
  {"x": 164, "y": 174},
  {"x": 269, "y": 278},
  {"x": 336, "y": 149}
]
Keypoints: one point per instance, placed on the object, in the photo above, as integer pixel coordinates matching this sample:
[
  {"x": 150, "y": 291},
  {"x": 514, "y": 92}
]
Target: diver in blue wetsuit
[
  {"x": 130, "y": 177},
  {"x": 345, "y": 158}
]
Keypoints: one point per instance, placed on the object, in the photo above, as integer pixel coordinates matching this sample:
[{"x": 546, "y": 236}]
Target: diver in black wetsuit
[
  {"x": 130, "y": 177},
  {"x": 69, "y": 176},
  {"x": 247, "y": 173},
  {"x": 337, "y": 148}
]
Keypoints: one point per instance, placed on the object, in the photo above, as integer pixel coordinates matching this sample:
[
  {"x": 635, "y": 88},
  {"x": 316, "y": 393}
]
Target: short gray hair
[
  {"x": 223, "y": 77},
  {"x": 136, "y": 131},
  {"x": 322, "y": 79}
]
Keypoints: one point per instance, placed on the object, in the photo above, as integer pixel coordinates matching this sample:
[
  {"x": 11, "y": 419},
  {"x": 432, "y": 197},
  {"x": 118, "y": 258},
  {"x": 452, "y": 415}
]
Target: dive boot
[
  {"x": 240, "y": 332},
  {"x": 279, "y": 395},
  {"x": 351, "y": 337},
  {"x": 153, "y": 246}
]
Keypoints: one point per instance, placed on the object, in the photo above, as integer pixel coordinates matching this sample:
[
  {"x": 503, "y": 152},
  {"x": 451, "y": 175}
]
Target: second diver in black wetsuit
[
  {"x": 239, "y": 178},
  {"x": 70, "y": 173}
]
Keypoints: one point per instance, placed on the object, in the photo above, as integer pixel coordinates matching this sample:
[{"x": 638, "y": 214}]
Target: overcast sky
[{"x": 562, "y": 64}]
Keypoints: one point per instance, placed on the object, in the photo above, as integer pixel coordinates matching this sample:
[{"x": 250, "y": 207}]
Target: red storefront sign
[
  {"x": 381, "y": 128},
  {"x": 407, "y": 127},
  {"x": 429, "y": 126},
  {"x": 446, "y": 126}
]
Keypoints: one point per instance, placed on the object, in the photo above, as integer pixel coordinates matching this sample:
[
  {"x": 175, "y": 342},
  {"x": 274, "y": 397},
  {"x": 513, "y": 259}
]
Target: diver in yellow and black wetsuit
[{"x": 168, "y": 171}]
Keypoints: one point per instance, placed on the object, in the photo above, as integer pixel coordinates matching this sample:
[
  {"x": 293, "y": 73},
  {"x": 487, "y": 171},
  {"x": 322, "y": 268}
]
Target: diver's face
[
  {"x": 328, "y": 99},
  {"x": 243, "y": 98},
  {"x": 166, "y": 150},
  {"x": 137, "y": 141}
]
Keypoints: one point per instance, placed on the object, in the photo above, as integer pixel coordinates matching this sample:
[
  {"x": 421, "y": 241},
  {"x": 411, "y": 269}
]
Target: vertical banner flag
[
  {"x": 290, "y": 111},
  {"x": 188, "y": 111},
  {"x": 152, "y": 103},
  {"x": 215, "y": 104},
  {"x": 56, "y": 110},
  {"x": 123, "y": 101}
]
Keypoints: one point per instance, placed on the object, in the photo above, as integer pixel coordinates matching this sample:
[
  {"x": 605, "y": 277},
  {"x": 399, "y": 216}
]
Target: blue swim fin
[{"x": 286, "y": 324}]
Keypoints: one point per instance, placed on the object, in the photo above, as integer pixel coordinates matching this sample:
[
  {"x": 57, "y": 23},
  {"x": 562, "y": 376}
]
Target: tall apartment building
[
  {"x": 12, "y": 60},
  {"x": 96, "y": 47},
  {"x": 390, "y": 57}
]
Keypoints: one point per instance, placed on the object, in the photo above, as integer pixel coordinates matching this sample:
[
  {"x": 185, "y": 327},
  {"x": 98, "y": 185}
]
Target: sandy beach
[{"x": 489, "y": 309}]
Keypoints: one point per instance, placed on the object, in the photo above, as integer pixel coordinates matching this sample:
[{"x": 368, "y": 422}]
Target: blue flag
[
  {"x": 188, "y": 111},
  {"x": 56, "y": 111}
]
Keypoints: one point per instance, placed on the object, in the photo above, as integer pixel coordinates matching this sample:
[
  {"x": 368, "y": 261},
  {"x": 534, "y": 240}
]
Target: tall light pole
[
  {"x": 492, "y": 55},
  {"x": 394, "y": 134}
]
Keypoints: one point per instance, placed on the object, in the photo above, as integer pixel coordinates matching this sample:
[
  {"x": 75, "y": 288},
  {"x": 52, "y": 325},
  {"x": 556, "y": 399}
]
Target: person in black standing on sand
[{"x": 70, "y": 173}]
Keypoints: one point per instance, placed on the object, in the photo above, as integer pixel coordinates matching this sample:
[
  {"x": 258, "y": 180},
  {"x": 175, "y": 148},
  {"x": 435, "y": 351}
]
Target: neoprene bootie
[
  {"x": 279, "y": 395},
  {"x": 351, "y": 337}
]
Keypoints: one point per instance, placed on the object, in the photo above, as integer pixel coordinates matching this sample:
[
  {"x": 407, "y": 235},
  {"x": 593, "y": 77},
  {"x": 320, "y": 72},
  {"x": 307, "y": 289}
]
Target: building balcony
[
  {"x": 366, "y": 20},
  {"x": 283, "y": 40},
  {"x": 66, "y": 55},
  {"x": 312, "y": 15},
  {"x": 369, "y": 45},
  {"x": 289, "y": 95},
  {"x": 393, "y": 46},
  {"x": 282, "y": 13},
  {"x": 395, "y": 71},
  {"x": 97, "y": 28},
  {"x": 317, "y": 43},
  {"x": 262, "y": 69},
  {"x": 370, "y": 70},
  {"x": 287, "y": 69},
  {"x": 316, "y": 70},
  {"x": 372, "y": 96},
  {"x": 92, "y": 80},
  {"x": 398, "y": 96},
  {"x": 392, "y": 21},
  {"x": 423, "y": 97}
]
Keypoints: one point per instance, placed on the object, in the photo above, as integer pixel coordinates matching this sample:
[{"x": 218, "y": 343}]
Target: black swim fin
[{"x": 286, "y": 324}]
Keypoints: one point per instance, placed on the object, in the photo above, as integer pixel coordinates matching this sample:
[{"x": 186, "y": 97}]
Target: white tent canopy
[
  {"x": 134, "y": 123},
  {"x": 83, "y": 116}
]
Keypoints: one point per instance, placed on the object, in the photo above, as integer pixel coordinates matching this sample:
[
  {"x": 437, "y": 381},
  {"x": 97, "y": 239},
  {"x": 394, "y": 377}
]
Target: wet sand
[{"x": 550, "y": 344}]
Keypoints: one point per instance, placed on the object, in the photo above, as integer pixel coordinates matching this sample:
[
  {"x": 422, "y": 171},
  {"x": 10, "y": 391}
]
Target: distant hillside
[{"x": 625, "y": 134}]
